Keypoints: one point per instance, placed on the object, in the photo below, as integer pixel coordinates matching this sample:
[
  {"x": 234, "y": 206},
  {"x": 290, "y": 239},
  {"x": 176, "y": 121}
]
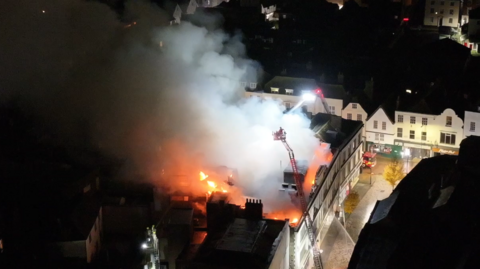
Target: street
[{"x": 371, "y": 187}]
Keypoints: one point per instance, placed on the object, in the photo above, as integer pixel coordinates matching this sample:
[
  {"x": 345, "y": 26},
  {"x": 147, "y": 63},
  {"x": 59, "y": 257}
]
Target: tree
[
  {"x": 351, "y": 202},
  {"x": 393, "y": 172}
]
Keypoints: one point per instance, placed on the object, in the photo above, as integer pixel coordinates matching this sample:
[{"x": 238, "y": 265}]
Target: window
[
  {"x": 451, "y": 11},
  {"x": 424, "y": 121},
  {"x": 452, "y": 4},
  {"x": 375, "y": 124},
  {"x": 412, "y": 120},
  {"x": 446, "y": 138},
  {"x": 450, "y": 20},
  {"x": 349, "y": 116},
  {"x": 424, "y": 136},
  {"x": 253, "y": 85},
  {"x": 274, "y": 90},
  {"x": 441, "y": 11},
  {"x": 354, "y": 106},
  {"x": 377, "y": 137},
  {"x": 432, "y": 10},
  {"x": 399, "y": 132},
  {"x": 381, "y": 137},
  {"x": 384, "y": 125},
  {"x": 400, "y": 118},
  {"x": 289, "y": 91},
  {"x": 332, "y": 109},
  {"x": 472, "y": 126},
  {"x": 288, "y": 105},
  {"x": 448, "y": 121},
  {"x": 412, "y": 134},
  {"x": 359, "y": 117}
]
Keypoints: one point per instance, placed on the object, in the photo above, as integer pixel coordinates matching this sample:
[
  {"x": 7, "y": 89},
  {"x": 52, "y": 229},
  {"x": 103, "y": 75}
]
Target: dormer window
[
  {"x": 253, "y": 85},
  {"x": 274, "y": 90},
  {"x": 289, "y": 91}
]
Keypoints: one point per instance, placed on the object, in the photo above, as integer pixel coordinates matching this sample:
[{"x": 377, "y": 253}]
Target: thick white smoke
[{"x": 164, "y": 97}]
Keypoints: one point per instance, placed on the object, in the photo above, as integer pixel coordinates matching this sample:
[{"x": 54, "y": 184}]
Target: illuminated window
[
  {"x": 400, "y": 118},
  {"x": 349, "y": 116},
  {"x": 384, "y": 125},
  {"x": 354, "y": 106},
  {"x": 289, "y": 91},
  {"x": 472, "y": 126},
  {"x": 448, "y": 122},
  {"x": 253, "y": 85},
  {"x": 412, "y": 120},
  {"x": 399, "y": 132},
  {"x": 375, "y": 124},
  {"x": 424, "y": 136},
  {"x": 274, "y": 90},
  {"x": 424, "y": 121},
  {"x": 412, "y": 134},
  {"x": 359, "y": 117}
]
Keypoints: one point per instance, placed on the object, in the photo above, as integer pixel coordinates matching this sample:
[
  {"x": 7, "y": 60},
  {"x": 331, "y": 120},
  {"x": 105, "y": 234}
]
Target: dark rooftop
[
  {"x": 244, "y": 244},
  {"x": 333, "y": 129}
]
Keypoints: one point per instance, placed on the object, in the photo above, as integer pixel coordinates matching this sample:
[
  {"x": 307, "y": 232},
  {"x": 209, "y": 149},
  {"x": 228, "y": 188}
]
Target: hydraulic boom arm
[{"x": 281, "y": 136}]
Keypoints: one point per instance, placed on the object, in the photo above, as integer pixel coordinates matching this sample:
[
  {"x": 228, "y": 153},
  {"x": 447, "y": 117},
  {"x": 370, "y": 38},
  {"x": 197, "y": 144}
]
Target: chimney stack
[{"x": 254, "y": 209}]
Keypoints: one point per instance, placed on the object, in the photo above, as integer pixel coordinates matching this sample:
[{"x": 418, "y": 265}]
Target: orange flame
[
  {"x": 203, "y": 176},
  {"x": 295, "y": 221},
  {"x": 212, "y": 184}
]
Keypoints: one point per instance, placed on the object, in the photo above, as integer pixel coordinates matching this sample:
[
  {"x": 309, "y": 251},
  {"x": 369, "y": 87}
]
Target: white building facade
[
  {"x": 354, "y": 111},
  {"x": 472, "y": 124},
  {"x": 380, "y": 132},
  {"x": 428, "y": 135},
  {"x": 332, "y": 185},
  {"x": 442, "y": 13}
]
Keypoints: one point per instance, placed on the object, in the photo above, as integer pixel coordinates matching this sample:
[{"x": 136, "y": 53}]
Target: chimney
[{"x": 253, "y": 209}]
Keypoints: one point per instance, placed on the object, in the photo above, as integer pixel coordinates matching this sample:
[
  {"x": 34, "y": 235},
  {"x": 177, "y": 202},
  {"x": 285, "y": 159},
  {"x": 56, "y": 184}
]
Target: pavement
[{"x": 371, "y": 187}]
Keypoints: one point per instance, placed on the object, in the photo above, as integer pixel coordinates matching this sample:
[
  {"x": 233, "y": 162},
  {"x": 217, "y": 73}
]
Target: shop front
[
  {"x": 444, "y": 151},
  {"x": 385, "y": 150}
]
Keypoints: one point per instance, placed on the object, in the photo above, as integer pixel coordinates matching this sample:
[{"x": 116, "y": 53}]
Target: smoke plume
[{"x": 166, "y": 98}]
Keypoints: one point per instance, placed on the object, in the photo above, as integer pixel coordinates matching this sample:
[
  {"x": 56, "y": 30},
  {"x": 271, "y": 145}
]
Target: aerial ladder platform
[{"x": 281, "y": 135}]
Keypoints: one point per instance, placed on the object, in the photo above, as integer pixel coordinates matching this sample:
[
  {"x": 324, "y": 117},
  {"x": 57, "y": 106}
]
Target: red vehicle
[{"x": 369, "y": 159}]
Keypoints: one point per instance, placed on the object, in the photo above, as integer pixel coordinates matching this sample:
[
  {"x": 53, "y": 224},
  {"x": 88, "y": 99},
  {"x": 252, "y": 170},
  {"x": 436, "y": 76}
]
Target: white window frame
[
  {"x": 472, "y": 126},
  {"x": 354, "y": 106},
  {"x": 375, "y": 124},
  {"x": 448, "y": 121},
  {"x": 449, "y": 136},
  {"x": 412, "y": 132},
  {"x": 359, "y": 117},
  {"x": 274, "y": 90},
  {"x": 332, "y": 109},
  {"x": 413, "y": 119},
  {"x": 399, "y": 132},
  {"x": 400, "y": 118},
  {"x": 424, "y": 121},
  {"x": 424, "y": 137},
  {"x": 384, "y": 125},
  {"x": 289, "y": 91},
  {"x": 349, "y": 116},
  {"x": 253, "y": 85}
]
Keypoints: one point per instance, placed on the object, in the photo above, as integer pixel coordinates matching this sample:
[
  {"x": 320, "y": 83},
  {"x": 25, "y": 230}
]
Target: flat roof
[{"x": 241, "y": 235}]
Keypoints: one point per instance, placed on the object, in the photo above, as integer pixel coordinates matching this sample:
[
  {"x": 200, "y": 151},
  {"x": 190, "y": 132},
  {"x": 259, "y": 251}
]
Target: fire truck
[{"x": 369, "y": 159}]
